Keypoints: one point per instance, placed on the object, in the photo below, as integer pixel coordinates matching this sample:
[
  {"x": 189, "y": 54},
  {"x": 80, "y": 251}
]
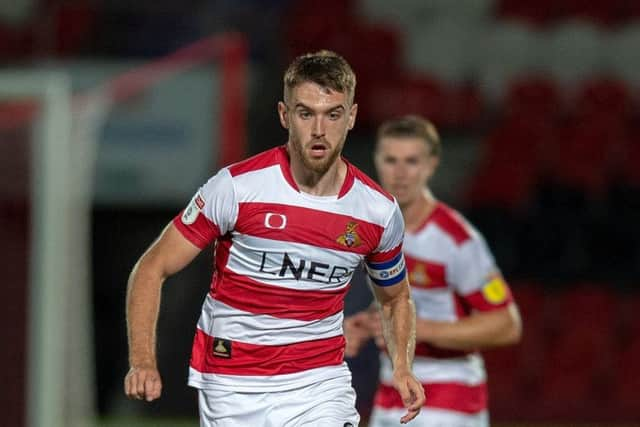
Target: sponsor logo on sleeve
[
  {"x": 495, "y": 291},
  {"x": 350, "y": 238},
  {"x": 192, "y": 211}
]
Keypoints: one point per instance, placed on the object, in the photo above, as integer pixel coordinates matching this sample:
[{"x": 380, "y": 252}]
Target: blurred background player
[
  {"x": 462, "y": 301},
  {"x": 290, "y": 226}
]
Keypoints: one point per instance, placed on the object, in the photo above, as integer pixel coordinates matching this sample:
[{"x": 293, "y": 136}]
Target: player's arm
[
  {"x": 480, "y": 330},
  {"x": 494, "y": 319},
  {"x": 398, "y": 327},
  {"x": 167, "y": 255}
]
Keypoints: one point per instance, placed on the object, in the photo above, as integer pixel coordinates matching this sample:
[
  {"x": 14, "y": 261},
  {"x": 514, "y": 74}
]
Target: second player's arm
[{"x": 480, "y": 330}]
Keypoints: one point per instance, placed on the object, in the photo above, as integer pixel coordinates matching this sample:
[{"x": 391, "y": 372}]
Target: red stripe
[
  {"x": 259, "y": 161},
  {"x": 478, "y": 301},
  {"x": 426, "y": 274},
  {"x": 307, "y": 226},
  {"x": 456, "y": 397},
  {"x": 451, "y": 222},
  {"x": 252, "y": 359},
  {"x": 200, "y": 233},
  {"x": 427, "y": 350},
  {"x": 248, "y": 295},
  {"x": 379, "y": 257}
]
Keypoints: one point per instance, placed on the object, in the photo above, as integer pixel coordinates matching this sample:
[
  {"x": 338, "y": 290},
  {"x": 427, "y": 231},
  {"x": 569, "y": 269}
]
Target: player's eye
[
  {"x": 304, "y": 114},
  {"x": 335, "y": 115}
]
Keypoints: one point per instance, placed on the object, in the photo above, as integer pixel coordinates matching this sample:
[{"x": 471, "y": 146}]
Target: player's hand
[
  {"x": 143, "y": 383},
  {"x": 356, "y": 332},
  {"x": 411, "y": 392}
]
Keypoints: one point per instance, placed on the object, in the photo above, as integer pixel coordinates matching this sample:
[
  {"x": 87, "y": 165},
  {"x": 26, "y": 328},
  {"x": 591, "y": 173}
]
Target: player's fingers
[
  {"x": 140, "y": 379},
  {"x": 417, "y": 391},
  {"x": 151, "y": 387},
  {"x": 380, "y": 343},
  {"x": 131, "y": 385},
  {"x": 411, "y": 414}
]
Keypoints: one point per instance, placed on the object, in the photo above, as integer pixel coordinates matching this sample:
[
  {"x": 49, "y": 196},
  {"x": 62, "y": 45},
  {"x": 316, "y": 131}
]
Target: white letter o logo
[{"x": 275, "y": 221}]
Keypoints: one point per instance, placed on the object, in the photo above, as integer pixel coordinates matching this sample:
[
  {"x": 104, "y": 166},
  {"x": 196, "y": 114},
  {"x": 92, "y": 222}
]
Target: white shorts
[
  {"x": 428, "y": 417},
  {"x": 325, "y": 404}
]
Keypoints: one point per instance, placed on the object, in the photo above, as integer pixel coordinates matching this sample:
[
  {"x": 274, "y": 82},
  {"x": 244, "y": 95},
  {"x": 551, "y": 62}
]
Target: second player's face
[
  {"x": 318, "y": 120},
  {"x": 404, "y": 167}
]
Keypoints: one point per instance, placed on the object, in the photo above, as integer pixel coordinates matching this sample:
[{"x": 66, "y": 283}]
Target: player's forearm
[
  {"x": 399, "y": 328},
  {"x": 143, "y": 304},
  {"x": 478, "y": 331}
]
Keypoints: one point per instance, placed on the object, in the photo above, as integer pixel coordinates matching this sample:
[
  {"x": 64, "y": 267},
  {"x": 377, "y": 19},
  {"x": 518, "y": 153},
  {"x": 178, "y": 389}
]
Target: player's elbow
[{"x": 513, "y": 329}]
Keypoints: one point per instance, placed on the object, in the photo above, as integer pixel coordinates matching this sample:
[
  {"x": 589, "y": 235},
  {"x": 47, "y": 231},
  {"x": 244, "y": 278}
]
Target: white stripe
[
  {"x": 262, "y": 383},
  {"x": 262, "y": 260},
  {"x": 361, "y": 202},
  {"x": 220, "y": 320},
  {"x": 434, "y": 304},
  {"x": 467, "y": 370}
]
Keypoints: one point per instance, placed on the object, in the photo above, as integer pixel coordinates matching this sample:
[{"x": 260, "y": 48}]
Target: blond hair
[{"x": 411, "y": 126}]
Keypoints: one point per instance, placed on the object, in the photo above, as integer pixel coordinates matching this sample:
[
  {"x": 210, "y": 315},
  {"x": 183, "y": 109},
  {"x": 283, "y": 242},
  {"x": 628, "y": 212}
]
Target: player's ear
[
  {"x": 282, "y": 114},
  {"x": 353, "y": 112}
]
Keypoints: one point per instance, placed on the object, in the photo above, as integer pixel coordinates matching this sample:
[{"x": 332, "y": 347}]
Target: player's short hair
[
  {"x": 325, "y": 68},
  {"x": 411, "y": 126}
]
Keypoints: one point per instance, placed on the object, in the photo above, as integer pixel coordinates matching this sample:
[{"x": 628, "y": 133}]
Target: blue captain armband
[{"x": 387, "y": 273}]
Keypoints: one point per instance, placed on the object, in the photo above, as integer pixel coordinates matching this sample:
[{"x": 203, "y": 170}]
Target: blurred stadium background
[{"x": 538, "y": 105}]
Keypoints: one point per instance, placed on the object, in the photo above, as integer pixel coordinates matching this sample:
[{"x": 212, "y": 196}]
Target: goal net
[{"x": 75, "y": 134}]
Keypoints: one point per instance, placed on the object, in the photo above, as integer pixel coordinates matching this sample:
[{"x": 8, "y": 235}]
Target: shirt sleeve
[
  {"x": 476, "y": 278},
  {"x": 386, "y": 265},
  {"x": 211, "y": 213}
]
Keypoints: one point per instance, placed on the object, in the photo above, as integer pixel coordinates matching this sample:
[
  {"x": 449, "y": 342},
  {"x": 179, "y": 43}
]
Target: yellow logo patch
[
  {"x": 495, "y": 291},
  {"x": 350, "y": 238}
]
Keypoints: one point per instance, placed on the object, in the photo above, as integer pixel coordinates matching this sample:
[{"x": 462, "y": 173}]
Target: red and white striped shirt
[
  {"x": 283, "y": 263},
  {"x": 452, "y": 273}
]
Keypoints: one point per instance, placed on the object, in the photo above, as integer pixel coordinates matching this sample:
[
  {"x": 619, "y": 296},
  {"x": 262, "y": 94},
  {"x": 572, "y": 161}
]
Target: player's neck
[
  {"x": 416, "y": 212},
  {"x": 319, "y": 184}
]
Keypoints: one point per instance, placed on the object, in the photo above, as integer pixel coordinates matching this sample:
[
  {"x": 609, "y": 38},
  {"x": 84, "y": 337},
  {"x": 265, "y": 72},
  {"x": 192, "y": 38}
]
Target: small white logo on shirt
[
  {"x": 275, "y": 221},
  {"x": 190, "y": 214}
]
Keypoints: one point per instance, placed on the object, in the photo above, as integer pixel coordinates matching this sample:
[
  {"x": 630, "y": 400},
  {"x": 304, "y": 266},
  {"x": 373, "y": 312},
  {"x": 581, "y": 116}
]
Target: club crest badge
[
  {"x": 419, "y": 276},
  {"x": 350, "y": 237}
]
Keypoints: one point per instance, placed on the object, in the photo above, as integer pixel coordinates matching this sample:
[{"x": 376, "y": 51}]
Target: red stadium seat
[
  {"x": 580, "y": 361},
  {"x": 513, "y": 371},
  {"x": 538, "y": 13},
  {"x": 585, "y": 152},
  {"x": 603, "y": 97},
  {"x": 534, "y": 96},
  {"x": 605, "y": 13},
  {"x": 510, "y": 166},
  {"x": 412, "y": 95}
]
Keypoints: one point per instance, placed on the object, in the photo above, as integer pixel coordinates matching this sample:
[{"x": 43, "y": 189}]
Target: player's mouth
[{"x": 319, "y": 150}]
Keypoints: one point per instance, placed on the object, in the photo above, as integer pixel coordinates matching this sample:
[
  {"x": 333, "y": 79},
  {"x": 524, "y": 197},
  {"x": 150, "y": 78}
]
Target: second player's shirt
[
  {"x": 452, "y": 273},
  {"x": 283, "y": 263}
]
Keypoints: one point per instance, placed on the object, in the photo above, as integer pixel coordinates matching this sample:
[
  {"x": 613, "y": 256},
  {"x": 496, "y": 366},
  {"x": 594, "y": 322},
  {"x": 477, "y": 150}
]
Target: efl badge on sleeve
[
  {"x": 495, "y": 291},
  {"x": 190, "y": 214},
  {"x": 350, "y": 237},
  {"x": 222, "y": 348}
]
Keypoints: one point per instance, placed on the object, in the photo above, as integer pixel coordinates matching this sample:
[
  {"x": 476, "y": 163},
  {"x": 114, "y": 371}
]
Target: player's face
[
  {"x": 318, "y": 120},
  {"x": 404, "y": 167}
]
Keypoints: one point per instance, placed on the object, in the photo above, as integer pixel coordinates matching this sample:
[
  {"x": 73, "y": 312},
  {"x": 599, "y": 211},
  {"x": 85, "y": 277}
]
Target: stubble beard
[{"x": 320, "y": 166}]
